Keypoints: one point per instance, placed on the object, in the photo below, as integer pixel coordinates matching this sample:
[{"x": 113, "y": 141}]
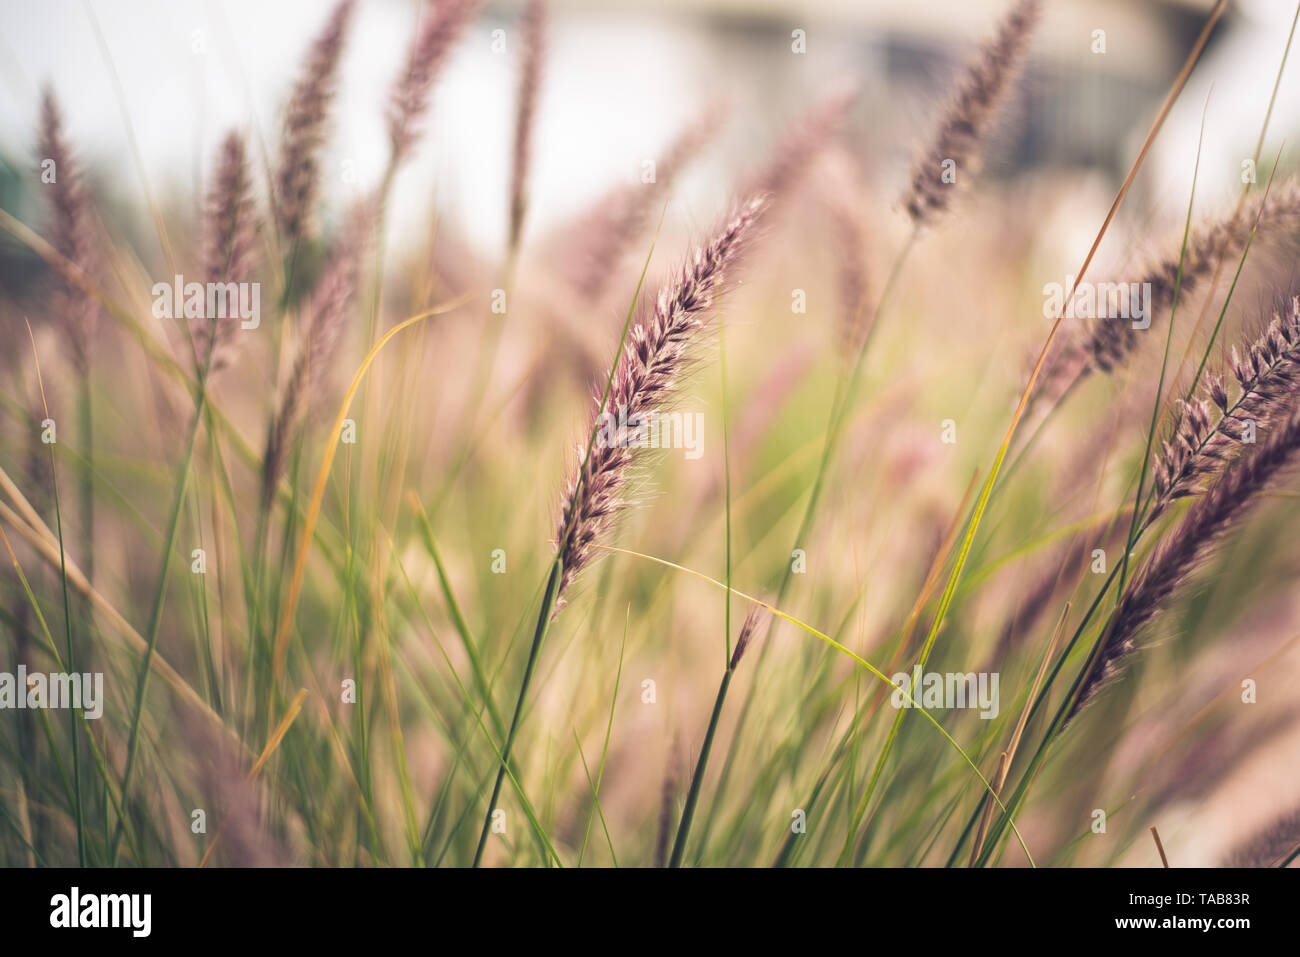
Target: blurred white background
[{"x": 624, "y": 75}]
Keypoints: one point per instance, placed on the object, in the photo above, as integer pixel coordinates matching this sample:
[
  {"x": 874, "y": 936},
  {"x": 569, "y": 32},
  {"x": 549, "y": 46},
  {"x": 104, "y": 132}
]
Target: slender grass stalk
[
  {"x": 1164, "y": 364},
  {"x": 539, "y": 634},
  {"x": 1039, "y": 754},
  {"x": 100, "y": 763},
  {"x": 290, "y": 607},
  {"x": 458, "y": 618},
  {"x": 86, "y": 415},
  {"x": 29, "y": 526},
  {"x": 841, "y": 404},
  {"x": 596, "y": 809},
  {"x": 604, "y": 753},
  {"x": 697, "y": 776},
  {"x": 1004, "y": 762},
  {"x": 155, "y": 614},
  {"x": 414, "y": 845},
  {"x": 726, "y": 485},
  {"x": 548, "y": 849},
  {"x": 67, "y": 621},
  {"x": 702, "y": 763}
]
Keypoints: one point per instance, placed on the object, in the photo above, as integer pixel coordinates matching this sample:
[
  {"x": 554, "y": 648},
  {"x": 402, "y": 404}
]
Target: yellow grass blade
[
  {"x": 322, "y": 478},
  {"x": 843, "y": 650},
  {"x": 276, "y": 737}
]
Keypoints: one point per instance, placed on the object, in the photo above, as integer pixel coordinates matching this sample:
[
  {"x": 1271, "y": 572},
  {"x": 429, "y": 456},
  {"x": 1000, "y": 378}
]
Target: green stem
[
  {"x": 155, "y": 616},
  {"x": 845, "y": 392},
  {"x": 697, "y": 778},
  {"x": 461, "y": 625},
  {"x": 1057, "y": 723},
  {"x": 67, "y": 630},
  {"x": 88, "y": 482},
  {"x": 1164, "y": 367},
  {"x": 539, "y": 634}
]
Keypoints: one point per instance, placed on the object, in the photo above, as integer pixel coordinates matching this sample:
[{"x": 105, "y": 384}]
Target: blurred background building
[{"x": 150, "y": 87}]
